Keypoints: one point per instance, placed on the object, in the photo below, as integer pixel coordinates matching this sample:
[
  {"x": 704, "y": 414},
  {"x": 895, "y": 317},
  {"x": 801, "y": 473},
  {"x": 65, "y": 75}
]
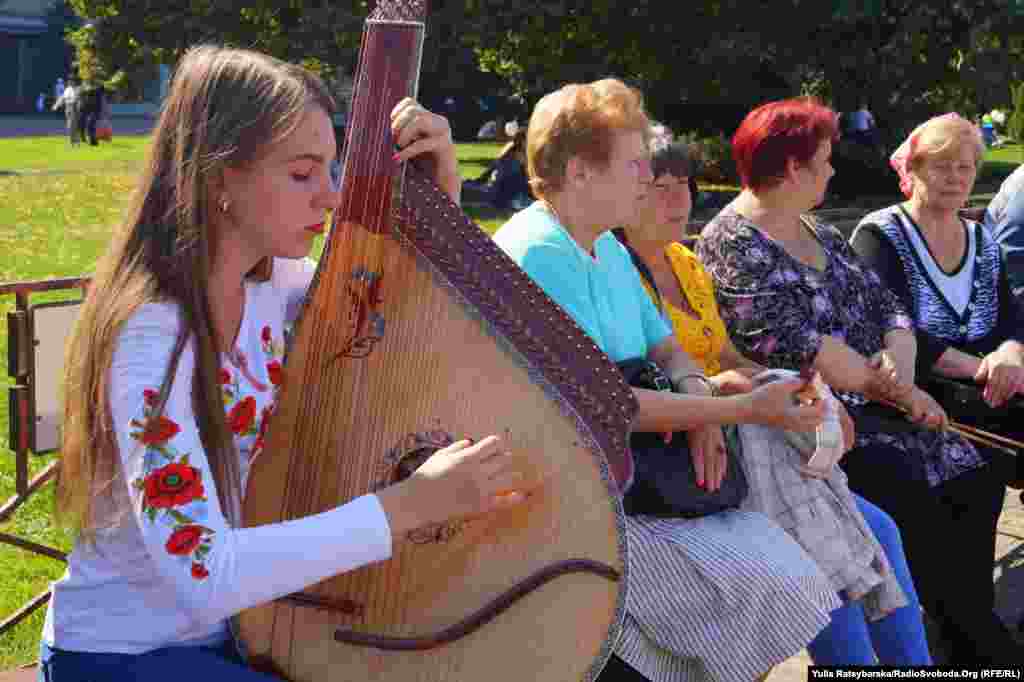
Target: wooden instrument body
[{"x": 418, "y": 331}]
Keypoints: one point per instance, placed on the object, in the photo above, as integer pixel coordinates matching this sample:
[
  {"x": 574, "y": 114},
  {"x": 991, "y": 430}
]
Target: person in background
[
  {"x": 92, "y": 106},
  {"x": 863, "y": 127},
  {"x": 988, "y": 130},
  {"x": 794, "y": 294},
  {"x": 70, "y": 100},
  {"x": 504, "y": 185},
  {"x": 58, "y": 90}
]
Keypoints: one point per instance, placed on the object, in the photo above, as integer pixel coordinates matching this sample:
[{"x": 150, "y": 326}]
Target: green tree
[
  {"x": 702, "y": 65},
  {"x": 1015, "y": 124}
]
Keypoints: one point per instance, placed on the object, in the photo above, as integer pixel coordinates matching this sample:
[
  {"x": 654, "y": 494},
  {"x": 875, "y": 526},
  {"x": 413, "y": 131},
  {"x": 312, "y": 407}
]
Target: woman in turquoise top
[{"x": 722, "y": 597}]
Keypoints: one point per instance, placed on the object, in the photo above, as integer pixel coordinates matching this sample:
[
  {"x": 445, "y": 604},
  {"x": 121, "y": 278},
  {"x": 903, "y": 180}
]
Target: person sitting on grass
[{"x": 504, "y": 185}]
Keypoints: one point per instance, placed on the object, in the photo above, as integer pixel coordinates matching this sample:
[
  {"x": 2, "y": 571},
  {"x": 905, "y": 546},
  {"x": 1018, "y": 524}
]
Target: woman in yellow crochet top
[
  {"x": 880, "y": 619},
  {"x": 675, "y": 278}
]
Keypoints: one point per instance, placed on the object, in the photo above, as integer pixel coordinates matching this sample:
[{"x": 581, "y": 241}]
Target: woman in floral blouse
[
  {"x": 793, "y": 294},
  {"x": 173, "y": 372}
]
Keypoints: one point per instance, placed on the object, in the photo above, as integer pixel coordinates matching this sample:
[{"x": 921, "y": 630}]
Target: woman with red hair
[{"x": 794, "y": 294}]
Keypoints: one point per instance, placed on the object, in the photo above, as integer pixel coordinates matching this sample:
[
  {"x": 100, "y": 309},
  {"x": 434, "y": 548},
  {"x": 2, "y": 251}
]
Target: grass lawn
[
  {"x": 999, "y": 163},
  {"x": 57, "y": 206}
]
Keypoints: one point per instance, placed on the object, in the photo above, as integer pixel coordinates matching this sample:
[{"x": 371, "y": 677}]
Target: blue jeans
[
  {"x": 171, "y": 664},
  {"x": 897, "y": 639}
]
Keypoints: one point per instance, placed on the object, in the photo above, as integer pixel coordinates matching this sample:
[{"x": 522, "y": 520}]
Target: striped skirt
[{"x": 721, "y": 598}]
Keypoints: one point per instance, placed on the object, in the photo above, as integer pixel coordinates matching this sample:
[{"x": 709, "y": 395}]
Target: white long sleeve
[{"x": 174, "y": 555}]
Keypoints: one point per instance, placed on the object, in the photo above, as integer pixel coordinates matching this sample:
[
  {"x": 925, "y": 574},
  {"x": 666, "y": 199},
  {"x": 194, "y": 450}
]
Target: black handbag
[{"x": 664, "y": 480}]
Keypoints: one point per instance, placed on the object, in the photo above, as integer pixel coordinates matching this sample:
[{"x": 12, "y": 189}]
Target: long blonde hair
[{"x": 224, "y": 109}]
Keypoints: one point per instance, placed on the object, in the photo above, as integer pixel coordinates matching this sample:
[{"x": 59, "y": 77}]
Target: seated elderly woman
[
  {"x": 837, "y": 528},
  {"x": 794, "y": 294},
  {"x": 949, "y": 271},
  {"x": 721, "y": 597}
]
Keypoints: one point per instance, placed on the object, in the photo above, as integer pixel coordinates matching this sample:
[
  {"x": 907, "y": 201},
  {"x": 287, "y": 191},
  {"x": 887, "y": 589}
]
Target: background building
[{"x": 33, "y": 53}]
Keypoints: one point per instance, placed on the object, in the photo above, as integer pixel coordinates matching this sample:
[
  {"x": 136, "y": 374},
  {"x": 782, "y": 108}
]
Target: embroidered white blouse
[{"x": 171, "y": 571}]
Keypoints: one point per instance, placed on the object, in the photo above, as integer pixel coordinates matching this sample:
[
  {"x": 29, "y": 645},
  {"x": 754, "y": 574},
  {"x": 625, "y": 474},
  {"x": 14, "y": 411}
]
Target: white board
[{"x": 51, "y": 325}]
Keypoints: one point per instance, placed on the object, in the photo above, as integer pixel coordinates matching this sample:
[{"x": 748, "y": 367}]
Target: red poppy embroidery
[
  {"x": 257, "y": 446},
  {"x": 173, "y": 485},
  {"x": 266, "y": 334},
  {"x": 184, "y": 540},
  {"x": 224, "y": 376},
  {"x": 242, "y": 415},
  {"x": 156, "y": 430},
  {"x": 265, "y": 418},
  {"x": 168, "y": 490},
  {"x": 275, "y": 372}
]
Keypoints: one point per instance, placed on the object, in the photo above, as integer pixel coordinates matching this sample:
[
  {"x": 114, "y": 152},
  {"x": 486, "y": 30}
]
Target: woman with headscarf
[
  {"x": 950, "y": 275},
  {"x": 947, "y": 270}
]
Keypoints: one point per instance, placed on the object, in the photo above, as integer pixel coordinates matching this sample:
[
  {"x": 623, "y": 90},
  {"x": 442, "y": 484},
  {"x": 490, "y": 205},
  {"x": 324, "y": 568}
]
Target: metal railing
[{"x": 21, "y": 345}]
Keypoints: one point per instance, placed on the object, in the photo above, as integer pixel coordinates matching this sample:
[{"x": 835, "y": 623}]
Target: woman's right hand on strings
[
  {"x": 776, "y": 403},
  {"x": 463, "y": 480}
]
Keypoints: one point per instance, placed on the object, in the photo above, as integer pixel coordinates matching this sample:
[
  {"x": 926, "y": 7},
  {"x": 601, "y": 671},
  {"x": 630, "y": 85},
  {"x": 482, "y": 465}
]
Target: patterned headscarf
[{"x": 901, "y": 157}]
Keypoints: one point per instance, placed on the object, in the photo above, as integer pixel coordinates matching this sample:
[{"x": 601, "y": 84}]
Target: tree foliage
[
  {"x": 701, "y": 65},
  {"x": 1015, "y": 125}
]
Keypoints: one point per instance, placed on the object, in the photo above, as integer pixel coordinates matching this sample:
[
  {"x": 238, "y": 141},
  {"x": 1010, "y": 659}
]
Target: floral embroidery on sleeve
[{"x": 172, "y": 489}]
